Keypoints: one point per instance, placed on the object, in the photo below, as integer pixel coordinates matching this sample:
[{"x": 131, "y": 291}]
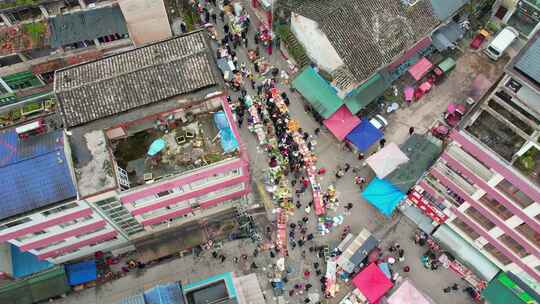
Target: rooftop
[
  {"x": 136, "y": 78},
  {"x": 86, "y": 25},
  {"x": 527, "y": 64},
  {"x": 34, "y": 172},
  {"x": 383, "y": 29},
  {"x": 184, "y": 142}
]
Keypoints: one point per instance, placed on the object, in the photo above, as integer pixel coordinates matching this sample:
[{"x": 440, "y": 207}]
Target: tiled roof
[
  {"x": 33, "y": 172},
  {"x": 370, "y": 34},
  {"x": 135, "y": 78}
]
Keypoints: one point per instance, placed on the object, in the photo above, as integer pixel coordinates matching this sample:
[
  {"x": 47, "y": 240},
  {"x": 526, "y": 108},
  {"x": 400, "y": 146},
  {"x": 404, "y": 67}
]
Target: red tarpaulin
[
  {"x": 372, "y": 283},
  {"x": 342, "y": 122},
  {"x": 419, "y": 69}
]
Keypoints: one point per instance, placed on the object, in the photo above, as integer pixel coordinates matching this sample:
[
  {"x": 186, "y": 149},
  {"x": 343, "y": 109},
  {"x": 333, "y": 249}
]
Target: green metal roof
[
  {"x": 36, "y": 288},
  {"x": 422, "y": 152},
  {"x": 366, "y": 93},
  {"x": 502, "y": 290},
  {"x": 317, "y": 92}
]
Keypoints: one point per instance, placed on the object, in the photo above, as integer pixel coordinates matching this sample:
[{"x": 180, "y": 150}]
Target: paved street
[{"x": 420, "y": 115}]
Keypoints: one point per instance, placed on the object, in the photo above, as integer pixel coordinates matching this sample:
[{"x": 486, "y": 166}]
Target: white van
[{"x": 501, "y": 42}]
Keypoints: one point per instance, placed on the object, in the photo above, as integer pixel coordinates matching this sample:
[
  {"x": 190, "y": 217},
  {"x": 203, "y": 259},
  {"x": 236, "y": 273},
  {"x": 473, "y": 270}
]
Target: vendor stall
[
  {"x": 383, "y": 195},
  {"x": 407, "y": 293},
  {"x": 342, "y": 122},
  {"x": 356, "y": 250},
  {"x": 387, "y": 160},
  {"x": 364, "y": 135},
  {"x": 420, "y": 69},
  {"x": 372, "y": 283}
]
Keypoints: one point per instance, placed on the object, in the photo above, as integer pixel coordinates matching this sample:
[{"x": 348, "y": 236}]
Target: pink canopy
[
  {"x": 342, "y": 122},
  {"x": 419, "y": 69},
  {"x": 372, "y": 283},
  {"x": 408, "y": 294}
]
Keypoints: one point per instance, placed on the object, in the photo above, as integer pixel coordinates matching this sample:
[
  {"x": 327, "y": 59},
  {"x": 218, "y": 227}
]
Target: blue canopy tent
[
  {"x": 80, "y": 273},
  {"x": 228, "y": 141},
  {"x": 383, "y": 195},
  {"x": 364, "y": 135}
]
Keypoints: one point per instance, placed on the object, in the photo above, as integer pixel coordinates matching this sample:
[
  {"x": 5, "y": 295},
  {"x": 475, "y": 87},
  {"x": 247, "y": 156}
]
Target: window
[
  {"x": 75, "y": 221},
  {"x": 497, "y": 254},
  {"x": 479, "y": 218},
  {"x": 30, "y": 236},
  {"x": 514, "y": 193},
  {"x": 469, "y": 231},
  {"x": 495, "y": 207},
  {"x": 50, "y": 245},
  {"x": 164, "y": 193},
  {"x": 80, "y": 236},
  {"x": 60, "y": 209},
  {"x": 529, "y": 234},
  {"x": 15, "y": 223},
  {"x": 513, "y": 245}
]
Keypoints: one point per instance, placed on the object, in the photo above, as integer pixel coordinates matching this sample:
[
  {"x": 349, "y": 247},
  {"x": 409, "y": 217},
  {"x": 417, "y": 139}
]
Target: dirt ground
[{"x": 423, "y": 113}]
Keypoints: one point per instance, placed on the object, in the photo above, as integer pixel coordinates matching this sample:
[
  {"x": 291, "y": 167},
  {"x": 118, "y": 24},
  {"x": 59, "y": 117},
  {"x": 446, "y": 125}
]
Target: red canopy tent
[
  {"x": 372, "y": 283},
  {"x": 342, "y": 122}
]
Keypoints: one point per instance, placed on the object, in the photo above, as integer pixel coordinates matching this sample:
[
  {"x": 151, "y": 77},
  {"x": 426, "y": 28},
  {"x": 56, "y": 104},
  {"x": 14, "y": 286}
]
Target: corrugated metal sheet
[
  {"x": 134, "y": 299},
  {"x": 529, "y": 63},
  {"x": 86, "y": 25},
  {"x": 37, "y": 288},
  {"x": 443, "y": 9},
  {"x": 169, "y": 293},
  {"x": 33, "y": 172}
]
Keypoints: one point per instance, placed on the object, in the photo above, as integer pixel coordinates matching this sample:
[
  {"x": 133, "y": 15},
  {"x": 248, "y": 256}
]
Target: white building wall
[{"x": 318, "y": 47}]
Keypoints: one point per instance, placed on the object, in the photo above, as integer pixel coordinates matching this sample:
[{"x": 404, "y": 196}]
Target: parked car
[
  {"x": 378, "y": 122},
  {"x": 501, "y": 42}
]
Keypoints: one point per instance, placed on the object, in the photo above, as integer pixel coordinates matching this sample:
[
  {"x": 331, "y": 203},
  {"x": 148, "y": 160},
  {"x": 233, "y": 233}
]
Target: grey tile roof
[
  {"x": 135, "y": 78},
  {"x": 370, "y": 34}
]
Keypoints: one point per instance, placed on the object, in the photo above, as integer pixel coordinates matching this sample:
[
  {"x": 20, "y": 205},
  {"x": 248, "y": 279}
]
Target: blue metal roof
[
  {"x": 82, "y": 272},
  {"x": 25, "y": 263},
  {"x": 33, "y": 172}
]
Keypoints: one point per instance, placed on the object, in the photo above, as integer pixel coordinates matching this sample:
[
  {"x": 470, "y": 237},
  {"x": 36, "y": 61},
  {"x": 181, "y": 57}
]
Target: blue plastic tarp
[
  {"x": 364, "y": 135},
  {"x": 156, "y": 146},
  {"x": 25, "y": 263},
  {"x": 82, "y": 272},
  {"x": 383, "y": 195},
  {"x": 228, "y": 141},
  {"x": 169, "y": 293}
]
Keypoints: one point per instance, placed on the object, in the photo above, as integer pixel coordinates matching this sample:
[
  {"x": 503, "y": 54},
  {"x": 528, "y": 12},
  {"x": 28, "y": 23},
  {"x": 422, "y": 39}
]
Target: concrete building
[
  {"x": 41, "y": 212},
  {"x": 151, "y": 144},
  {"x": 487, "y": 179},
  {"x": 523, "y": 15}
]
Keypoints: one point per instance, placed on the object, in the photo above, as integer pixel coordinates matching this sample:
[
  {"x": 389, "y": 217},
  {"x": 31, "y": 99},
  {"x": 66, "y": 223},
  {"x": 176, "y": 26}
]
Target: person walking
[{"x": 411, "y": 131}]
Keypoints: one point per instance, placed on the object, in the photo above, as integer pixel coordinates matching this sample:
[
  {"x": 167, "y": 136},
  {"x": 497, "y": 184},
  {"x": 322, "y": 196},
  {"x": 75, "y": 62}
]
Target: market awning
[
  {"x": 356, "y": 250},
  {"x": 387, "y": 160},
  {"x": 364, "y": 135},
  {"x": 341, "y": 122},
  {"x": 80, "y": 273},
  {"x": 383, "y": 195},
  {"x": 369, "y": 91},
  {"x": 419, "y": 69},
  {"x": 407, "y": 293},
  {"x": 503, "y": 290},
  {"x": 465, "y": 253},
  {"x": 372, "y": 283},
  {"x": 318, "y": 92}
]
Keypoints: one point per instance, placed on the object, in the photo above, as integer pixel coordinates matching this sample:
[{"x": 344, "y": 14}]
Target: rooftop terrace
[{"x": 158, "y": 148}]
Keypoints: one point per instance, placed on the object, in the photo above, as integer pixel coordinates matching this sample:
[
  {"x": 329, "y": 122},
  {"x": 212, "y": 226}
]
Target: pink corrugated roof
[
  {"x": 341, "y": 122},
  {"x": 419, "y": 69}
]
